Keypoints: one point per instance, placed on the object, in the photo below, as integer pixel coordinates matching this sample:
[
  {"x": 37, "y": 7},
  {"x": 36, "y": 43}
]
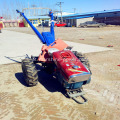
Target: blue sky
[
  {"x": 83, "y": 6},
  {"x": 8, "y": 6}
]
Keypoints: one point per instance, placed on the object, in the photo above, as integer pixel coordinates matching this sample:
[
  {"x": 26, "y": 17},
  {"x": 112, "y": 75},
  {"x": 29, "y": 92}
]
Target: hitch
[{"x": 77, "y": 93}]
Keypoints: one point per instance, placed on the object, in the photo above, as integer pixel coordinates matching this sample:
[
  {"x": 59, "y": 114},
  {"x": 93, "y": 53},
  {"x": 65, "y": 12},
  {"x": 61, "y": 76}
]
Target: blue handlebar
[
  {"x": 18, "y": 11},
  {"x": 46, "y": 37},
  {"x": 34, "y": 29},
  {"x": 52, "y": 24}
]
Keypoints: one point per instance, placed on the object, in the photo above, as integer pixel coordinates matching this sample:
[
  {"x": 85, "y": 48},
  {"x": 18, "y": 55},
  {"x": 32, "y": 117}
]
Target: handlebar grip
[{"x": 18, "y": 11}]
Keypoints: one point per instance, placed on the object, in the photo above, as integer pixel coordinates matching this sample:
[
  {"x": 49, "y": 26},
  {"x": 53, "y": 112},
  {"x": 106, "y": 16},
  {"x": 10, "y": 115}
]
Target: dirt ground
[{"x": 46, "y": 101}]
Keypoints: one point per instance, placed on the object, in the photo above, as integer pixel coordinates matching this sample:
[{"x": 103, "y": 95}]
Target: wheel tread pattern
[
  {"x": 82, "y": 58},
  {"x": 29, "y": 72}
]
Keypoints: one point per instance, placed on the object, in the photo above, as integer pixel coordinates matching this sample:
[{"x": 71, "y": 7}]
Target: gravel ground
[{"x": 46, "y": 101}]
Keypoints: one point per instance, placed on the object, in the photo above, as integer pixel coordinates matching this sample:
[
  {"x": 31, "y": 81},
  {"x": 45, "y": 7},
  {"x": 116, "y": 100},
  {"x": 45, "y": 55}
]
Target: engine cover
[{"x": 70, "y": 67}]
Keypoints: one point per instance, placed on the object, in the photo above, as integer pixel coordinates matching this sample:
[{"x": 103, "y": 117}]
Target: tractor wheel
[
  {"x": 29, "y": 72},
  {"x": 82, "y": 58}
]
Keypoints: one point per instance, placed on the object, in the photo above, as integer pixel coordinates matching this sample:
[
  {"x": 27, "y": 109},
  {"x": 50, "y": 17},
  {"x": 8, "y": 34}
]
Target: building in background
[
  {"x": 37, "y": 15},
  {"x": 10, "y": 23},
  {"x": 1, "y": 22},
  {"x": 38, "y": 21},
  {"x": 111, "y": 17}
]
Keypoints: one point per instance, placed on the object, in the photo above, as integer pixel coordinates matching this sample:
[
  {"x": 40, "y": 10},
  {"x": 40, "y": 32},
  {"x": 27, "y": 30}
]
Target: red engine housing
[{"x": 70, "y": 66}]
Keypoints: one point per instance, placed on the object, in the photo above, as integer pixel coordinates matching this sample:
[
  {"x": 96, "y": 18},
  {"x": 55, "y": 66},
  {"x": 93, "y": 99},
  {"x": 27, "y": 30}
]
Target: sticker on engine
[{"x": 73, "y": 70}]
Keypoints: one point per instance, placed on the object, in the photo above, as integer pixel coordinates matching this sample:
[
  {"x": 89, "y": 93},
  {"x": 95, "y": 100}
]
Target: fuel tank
[{"x": 71, "y": 69}]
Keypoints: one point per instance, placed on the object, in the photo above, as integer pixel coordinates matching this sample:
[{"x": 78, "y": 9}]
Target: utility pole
[
  {"x": 60, "y": 5},
  {"x": 56, "y": 13},
  {"x": 74, "y": 9},
  {"x": 28, "y": 8}
]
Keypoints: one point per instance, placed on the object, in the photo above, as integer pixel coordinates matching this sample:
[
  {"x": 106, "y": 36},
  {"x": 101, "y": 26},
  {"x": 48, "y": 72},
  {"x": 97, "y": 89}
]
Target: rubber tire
[
  {"x": 100, "y": 26},
  {"x": 85, "y": 26},
  {"x": 29, "y": 72},
  {"x": 82, "y": 58}
]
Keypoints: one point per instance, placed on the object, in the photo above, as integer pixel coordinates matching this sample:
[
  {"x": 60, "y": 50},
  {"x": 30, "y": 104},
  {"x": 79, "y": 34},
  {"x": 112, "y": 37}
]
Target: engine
[{"x": 72, "y": 74}]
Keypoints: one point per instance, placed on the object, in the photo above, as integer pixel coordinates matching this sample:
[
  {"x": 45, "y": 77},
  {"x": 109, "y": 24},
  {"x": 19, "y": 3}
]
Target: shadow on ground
[
  {"x": 20, "y": 78},
  {"x": 47, "y": 80}
]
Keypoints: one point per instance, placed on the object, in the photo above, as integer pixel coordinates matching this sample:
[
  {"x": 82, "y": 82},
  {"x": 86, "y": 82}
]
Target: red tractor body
[
  {"x": 58, "y": 44},
  {"x": 72, "y": 73},
  {"x": 70, "y": 66}
]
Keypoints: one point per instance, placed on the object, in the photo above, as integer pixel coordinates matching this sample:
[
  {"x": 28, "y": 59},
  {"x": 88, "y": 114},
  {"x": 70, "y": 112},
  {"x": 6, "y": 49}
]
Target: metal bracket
[
  {"x": 79, "y": 102},
  {"x": 75, "y": 94}
]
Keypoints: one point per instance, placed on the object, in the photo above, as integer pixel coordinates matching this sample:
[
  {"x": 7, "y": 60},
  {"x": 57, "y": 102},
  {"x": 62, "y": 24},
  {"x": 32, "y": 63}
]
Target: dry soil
[{"x": 46, "y": 101}]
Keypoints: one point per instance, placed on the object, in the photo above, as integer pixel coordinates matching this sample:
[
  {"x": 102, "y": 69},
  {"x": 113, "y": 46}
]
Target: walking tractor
[{"x": 71, "y": 68}]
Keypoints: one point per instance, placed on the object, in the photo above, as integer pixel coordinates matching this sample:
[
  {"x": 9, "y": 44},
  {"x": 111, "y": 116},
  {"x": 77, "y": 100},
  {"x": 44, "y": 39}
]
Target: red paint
[
  {"x": 60, "y": 24},
  {"x": 65, "y": 60},
  {"x": 118, "y": 65},
  {"x": 110, "y": 46},
  {"x": 21, "y": 24},
  {"x": 1, "y": 25},
  {"x": 59, "y": 44}
]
